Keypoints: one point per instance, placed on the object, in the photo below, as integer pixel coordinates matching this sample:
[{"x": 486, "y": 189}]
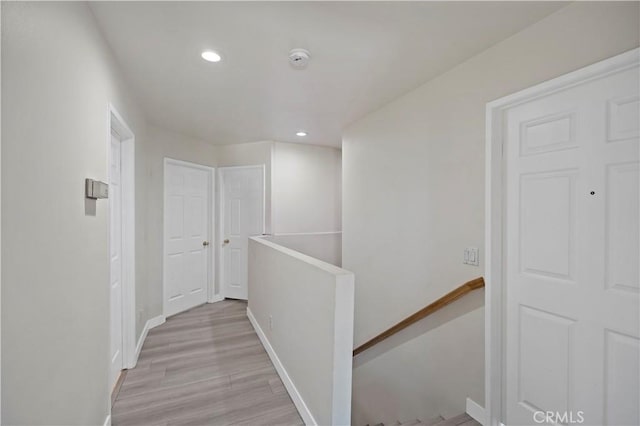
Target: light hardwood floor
[{"x": 205, "y": 366}]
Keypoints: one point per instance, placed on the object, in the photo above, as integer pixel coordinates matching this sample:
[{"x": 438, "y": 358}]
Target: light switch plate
[{"x": 471, "y": 256}]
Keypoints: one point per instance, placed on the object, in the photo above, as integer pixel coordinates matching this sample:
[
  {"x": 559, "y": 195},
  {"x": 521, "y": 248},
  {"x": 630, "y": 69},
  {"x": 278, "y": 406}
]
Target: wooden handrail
[{"x": 445, "y": 300}]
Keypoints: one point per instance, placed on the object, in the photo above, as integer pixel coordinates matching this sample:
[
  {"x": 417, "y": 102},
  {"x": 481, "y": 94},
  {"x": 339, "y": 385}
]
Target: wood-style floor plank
[{"x": 205, "y": 366}]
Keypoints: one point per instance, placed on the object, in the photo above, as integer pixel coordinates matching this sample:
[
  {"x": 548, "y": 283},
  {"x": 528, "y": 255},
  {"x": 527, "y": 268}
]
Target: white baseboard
[
  {"x": 107, "y": 421},
  {"x": 155, "y": 321},
  {"x": 216, "y": 298},
  {"x": 476, "y": 411},
  {"x": 151, "y": 323},
  {"x": 304, "y": 411}
]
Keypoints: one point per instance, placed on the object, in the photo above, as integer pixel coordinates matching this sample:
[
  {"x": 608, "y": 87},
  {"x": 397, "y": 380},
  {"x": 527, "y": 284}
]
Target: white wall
[
  {"x": 323, "y": 246},
  {"x": 58, "y": 78},
  {"x": 303, "y": 183},
  {"x": 303, "y": 310},
  {"x": 306, "y": 181},
  {"x": 414, "y": 198}
]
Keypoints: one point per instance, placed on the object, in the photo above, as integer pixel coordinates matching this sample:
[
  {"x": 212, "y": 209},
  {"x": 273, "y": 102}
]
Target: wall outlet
[
  {"x": 471, "y": 256},
  {"x": 270, "y": 322}
]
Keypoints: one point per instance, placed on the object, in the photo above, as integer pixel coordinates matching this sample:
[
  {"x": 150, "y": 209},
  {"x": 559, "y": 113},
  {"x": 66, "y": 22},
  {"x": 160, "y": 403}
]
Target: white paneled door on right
[
  {"x": 242, "y": 217},
  {"x": 572, "y": 254},
  {"x": 188, "y": 225}
]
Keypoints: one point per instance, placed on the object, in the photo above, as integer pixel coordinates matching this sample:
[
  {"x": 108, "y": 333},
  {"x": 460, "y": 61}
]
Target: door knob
[
  {"x": 205, "y": 243},
  {"x": 226, "y": 241}
]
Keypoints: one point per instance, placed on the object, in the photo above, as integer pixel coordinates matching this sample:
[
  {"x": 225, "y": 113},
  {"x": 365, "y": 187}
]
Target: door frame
[
  {"x": 211, "y": 269},
  {"x": 221, "y": 206},
  {"x": 494, "y": 261},
  {"x": 127, "y": 175}
]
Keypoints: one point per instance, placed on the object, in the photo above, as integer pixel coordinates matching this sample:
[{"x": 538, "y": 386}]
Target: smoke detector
[{"x": 299, "y": 58}]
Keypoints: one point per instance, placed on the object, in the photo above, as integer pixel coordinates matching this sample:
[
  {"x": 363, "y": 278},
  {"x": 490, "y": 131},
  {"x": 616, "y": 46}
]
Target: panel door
[
  {"x": 115, "y": 259},
  {"x": 242, "y": 217},
  {"x": 572, "y": 254},
  {"x": 188, "y": 221}
]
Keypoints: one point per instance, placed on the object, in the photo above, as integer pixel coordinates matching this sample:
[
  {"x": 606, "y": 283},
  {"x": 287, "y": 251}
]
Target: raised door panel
[
  {"x": 623, "y": 122},
  {"x": 544, "y": 377},
  {"x": 175, "y": 216},
  {"x": 235, "y": 217},
  {"x": 174, "y": 274},
  {"x": 547, "y": 220},
  {"x": 622, "y": 245},
  {"x": 547, "y": 134},
  {"x": 621, "y": 379},
  {"x": 196, "y": 217}
]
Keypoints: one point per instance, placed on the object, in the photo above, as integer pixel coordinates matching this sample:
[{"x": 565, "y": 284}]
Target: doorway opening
[{"x": 121, "y": 225}]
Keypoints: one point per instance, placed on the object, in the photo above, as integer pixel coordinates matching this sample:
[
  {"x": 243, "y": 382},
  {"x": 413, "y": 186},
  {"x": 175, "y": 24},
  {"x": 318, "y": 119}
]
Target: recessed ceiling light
[
  {"x": 301, "y": 134},
  {"x": 211, "y": 56}
]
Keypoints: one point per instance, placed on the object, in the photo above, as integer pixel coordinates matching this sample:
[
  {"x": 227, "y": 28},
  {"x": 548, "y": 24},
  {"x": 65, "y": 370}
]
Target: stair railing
[{"x": 445, "y": 300}]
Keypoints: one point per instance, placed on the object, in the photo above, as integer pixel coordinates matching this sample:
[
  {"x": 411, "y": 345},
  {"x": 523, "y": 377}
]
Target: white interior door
[
  {"x": 572, "y": 254},
  {"x": 188, "y": 224},
  {"x": 115, "y": 256},
  {"x": 242, "y": 217}
]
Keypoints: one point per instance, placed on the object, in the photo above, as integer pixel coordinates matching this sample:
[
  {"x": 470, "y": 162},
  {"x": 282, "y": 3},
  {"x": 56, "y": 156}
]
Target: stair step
[
  {"x": 434, "y": 421},
  {"x": 431, "y": 422},
  {"x": 460, "y": 420}
]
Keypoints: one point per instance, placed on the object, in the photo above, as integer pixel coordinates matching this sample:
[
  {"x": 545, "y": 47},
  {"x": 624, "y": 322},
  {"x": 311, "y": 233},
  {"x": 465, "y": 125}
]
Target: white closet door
[
  {"x": 572, "y": 254},
  {"x": 242, "y": 217},
  {"x": 188, "y": 221}
]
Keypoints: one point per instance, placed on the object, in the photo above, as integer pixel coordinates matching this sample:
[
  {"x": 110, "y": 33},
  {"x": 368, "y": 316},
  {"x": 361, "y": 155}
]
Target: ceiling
[{"x": 364, "y": 54}]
